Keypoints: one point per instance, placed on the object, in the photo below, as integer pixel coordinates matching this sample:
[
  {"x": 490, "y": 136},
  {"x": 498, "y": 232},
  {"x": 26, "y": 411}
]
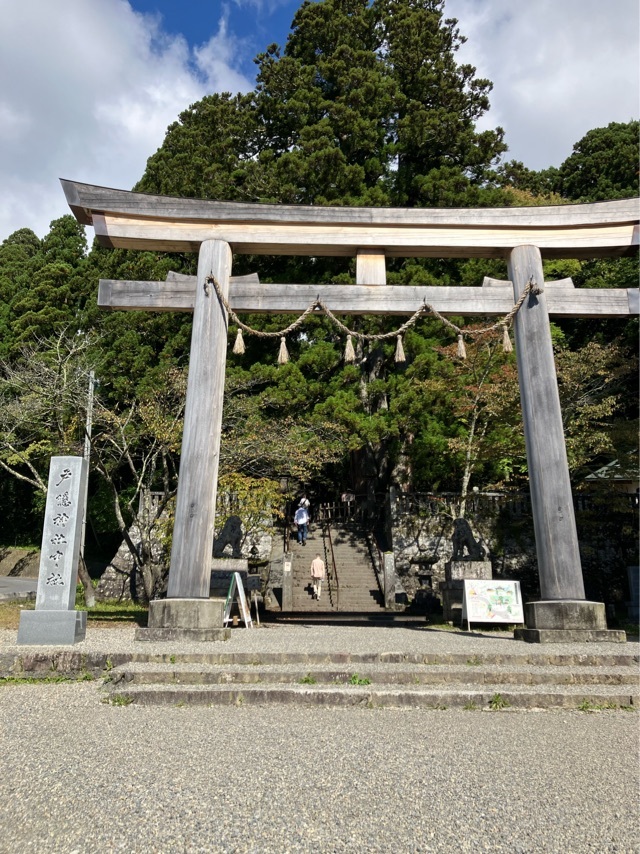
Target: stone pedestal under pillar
[
  {"x": 185, "y": 620},
  {"x": 44, "y": 628},
  {"x": 567, "y": 621},
  {"x": 455, "y": 573}
]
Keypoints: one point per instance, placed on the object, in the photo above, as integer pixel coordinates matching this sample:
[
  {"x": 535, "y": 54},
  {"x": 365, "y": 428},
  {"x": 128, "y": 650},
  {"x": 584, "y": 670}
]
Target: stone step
[
  {"x": 391, "y": 680},
  {"x": 40, "y": 664},
  {"x": 386, "y": 674},
  {"x": 353, "y": 595},
  {"x": 466, "y": 696}
]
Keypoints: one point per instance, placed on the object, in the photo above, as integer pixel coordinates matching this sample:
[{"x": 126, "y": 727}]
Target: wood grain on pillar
[
  {"x": 190, "y": 570},
  {"x": 552, "y": 503}
]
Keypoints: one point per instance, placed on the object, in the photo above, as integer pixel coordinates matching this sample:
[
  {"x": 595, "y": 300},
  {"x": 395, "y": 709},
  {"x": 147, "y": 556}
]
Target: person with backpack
[{"x": 301, "y": 519}]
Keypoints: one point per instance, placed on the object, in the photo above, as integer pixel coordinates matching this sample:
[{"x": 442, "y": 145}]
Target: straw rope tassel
[
  {"x": 238, "y": 347},
  {"x": 507, "y": 346},
  {"x": 283, "y": 355},
  {"x": 349, "y": 352},
  {"x": 462, "y": 350}
]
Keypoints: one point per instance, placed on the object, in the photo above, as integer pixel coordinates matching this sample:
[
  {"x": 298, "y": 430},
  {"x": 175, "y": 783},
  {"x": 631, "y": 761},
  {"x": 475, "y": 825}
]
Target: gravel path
[
  {"x": 77, "y": 775},
  {"x": 330, "y": 638},
  {"x": 80, "y": 776}
]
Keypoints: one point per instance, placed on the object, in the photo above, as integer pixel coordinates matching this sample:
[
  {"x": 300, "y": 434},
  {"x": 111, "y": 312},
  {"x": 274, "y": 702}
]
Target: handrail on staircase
[
  {"x": 286, "y": 536},
  {"x": 377, "y": 559},
  {"x": 326, "y": 529}
]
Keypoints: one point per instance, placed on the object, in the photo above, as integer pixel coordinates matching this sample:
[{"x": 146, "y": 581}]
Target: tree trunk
[{"x": 85, "y": 580}]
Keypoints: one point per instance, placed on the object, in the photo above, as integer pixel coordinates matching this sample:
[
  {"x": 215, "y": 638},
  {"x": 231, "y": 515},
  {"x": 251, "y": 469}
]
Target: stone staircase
[
  {"x": 380, "y": 680},
  {"x": 356, "y": 589}
]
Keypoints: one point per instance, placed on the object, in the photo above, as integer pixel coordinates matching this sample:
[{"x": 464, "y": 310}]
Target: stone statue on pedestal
[{"x": 463, "y": 539}]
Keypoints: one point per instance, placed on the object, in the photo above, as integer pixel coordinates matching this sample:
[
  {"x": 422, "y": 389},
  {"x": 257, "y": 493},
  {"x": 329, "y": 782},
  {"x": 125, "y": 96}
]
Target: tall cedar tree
[{"x": 365, "y": 105}]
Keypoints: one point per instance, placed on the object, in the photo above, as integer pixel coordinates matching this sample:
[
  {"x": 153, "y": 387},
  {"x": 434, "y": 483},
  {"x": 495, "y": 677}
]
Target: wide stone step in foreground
[{"x": 477, "y": 683}]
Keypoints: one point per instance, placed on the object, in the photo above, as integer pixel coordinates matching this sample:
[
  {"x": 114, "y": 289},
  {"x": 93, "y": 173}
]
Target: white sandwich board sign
[
  {"x": 491, "y": 601},
  {"x": 236, "y": 586}
]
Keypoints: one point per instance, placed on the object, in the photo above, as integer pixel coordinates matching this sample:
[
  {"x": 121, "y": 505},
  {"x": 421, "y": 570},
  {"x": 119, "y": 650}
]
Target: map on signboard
[{"x": 492, "y": 602}]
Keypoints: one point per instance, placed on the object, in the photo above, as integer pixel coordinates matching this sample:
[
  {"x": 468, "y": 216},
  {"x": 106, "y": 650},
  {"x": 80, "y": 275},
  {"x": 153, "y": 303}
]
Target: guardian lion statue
[
  {"x": 230, "y": 535},
  {"x": 463, "y": 539}
]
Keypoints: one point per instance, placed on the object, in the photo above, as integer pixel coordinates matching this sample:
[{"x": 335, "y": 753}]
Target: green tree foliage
[
  {"x": 603, "y": 165},
  {"x": 593, "y": 383},
  {"x": 366, "y": 105},
  {"x": 54, "y": 290},
  {"x": 257, "y": 501}
]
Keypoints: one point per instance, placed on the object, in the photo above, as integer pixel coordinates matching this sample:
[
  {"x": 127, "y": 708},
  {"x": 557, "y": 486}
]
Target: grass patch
[
  {"x": 37, "y": 680},
  {"x": 10, "y": 613},
  {"x": 588, "y": 706},
  {"x": 106, "y": 614},
  {"x": 83, "y": 676},
  {"x": 359, "y": 680},
  {"x": 498, "y": 702},
  {"x": 119, "y": 700},
  {"x": 308, "y": 680},
  {"x": 103, "y": 615},
  {"x": 438, "y": 625},
  {"x": 470, "y": 706}
]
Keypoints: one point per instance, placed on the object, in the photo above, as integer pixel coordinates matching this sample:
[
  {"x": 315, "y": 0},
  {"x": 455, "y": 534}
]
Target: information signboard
[{"x": 493, "y": 601}]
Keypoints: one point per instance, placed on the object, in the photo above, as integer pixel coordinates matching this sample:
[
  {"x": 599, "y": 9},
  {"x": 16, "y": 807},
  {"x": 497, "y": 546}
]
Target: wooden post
[
  {"x": 190, "y": 570},
  {"x": 552, "y": 503},
  {"x": 371, "y": 268}
]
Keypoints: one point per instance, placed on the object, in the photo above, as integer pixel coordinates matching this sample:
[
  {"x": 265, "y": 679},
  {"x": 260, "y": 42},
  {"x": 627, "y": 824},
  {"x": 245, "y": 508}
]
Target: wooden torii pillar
[{"x": 521, "y": 235}]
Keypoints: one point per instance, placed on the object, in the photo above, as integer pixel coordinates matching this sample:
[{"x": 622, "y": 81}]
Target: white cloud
[
  {"x": 87, "y": 90},
  {"x": 559, "y": 67},
  {"x": 215, "y": 58},
  {"x": 88, "y": 87}
]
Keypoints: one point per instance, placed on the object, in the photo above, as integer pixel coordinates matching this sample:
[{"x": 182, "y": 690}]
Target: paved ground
[
  {"x": 80, "y": 776},
  {"x": 17, "y": 588},
  {"x": 400, "y": 637}
]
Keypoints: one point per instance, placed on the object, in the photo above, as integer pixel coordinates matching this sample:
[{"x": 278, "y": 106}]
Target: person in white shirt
[
  {"x": 302, "y": 521},
  {"x": 317, "y": 575}
]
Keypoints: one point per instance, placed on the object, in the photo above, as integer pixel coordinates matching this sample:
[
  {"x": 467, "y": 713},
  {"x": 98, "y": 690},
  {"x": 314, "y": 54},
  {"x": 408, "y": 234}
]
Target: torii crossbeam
[{"x": 522, "y": 236}]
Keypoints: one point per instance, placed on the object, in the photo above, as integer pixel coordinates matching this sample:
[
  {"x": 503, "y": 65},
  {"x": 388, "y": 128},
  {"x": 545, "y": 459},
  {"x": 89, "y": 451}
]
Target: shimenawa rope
[{"x": 349, "y": 356}]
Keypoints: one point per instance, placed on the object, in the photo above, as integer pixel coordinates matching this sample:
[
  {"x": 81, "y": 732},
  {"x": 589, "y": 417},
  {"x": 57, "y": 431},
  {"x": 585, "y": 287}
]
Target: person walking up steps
[
  {"x": 317, "y": 575},
  {"x": 301, "y": 519}
]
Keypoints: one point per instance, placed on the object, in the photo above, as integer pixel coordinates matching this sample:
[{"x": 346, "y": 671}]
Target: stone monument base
[
  {"x": 458, "y": 570},
  {"x": 567, "y": 621},
  {"x": 185, "y": 620},
  {"x": 222, "y": 570},
  {"x": 455, "y": 573},
  {"x": 45, "y": 627}
]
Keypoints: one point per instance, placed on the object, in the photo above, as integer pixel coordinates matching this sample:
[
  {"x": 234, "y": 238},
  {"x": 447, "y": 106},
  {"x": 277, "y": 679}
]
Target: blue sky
[
  {"x": 88, "y": 87},
  {"x": 255, "y": 23}
]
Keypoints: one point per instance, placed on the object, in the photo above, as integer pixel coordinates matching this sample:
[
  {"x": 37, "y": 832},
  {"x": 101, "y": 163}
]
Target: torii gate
[{"x": 521, "y": 235}]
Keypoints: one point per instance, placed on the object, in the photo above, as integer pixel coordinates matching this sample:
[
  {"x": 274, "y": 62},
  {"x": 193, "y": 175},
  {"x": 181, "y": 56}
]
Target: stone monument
[
  {"x": 55, "y": 620},
  {"x": 467, "y": 562}
]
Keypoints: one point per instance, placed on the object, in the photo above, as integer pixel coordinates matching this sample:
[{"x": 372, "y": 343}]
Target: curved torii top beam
[{"x": 164, "y": 223}]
